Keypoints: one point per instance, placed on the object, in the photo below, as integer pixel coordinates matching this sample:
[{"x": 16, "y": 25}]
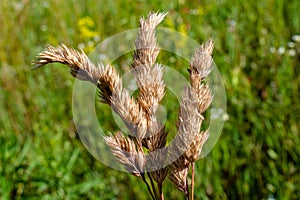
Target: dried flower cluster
[{"x": 147, "y": 147}]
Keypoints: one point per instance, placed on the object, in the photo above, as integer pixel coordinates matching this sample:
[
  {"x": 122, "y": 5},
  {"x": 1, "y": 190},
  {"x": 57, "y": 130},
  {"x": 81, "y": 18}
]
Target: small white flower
[
  {"x": 219, "y": 114},
  {"x": 96, "y": 38},
  {"x": 281, "y": 50},
  {"x": 18, "y": 6},
  {"x": 292, "y": 52},
  {"x": 45, "y": 4},
  {"x": 291, "y": 44},
  {"x": 296, "y": 38},
  {"x": 272, "y": 49},
  {"x": 90, "y": 43},
  {"x": 194, "y": 11},
  {"x": 232, "y": 22},
  {"x": 102, "y": 57},
  {"x": 44, "y": 27},
  {"x": 81, "y": 46},
  {"x": 232, "y": 25}
]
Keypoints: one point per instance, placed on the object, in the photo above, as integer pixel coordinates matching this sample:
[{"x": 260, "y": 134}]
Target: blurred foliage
[{"x": 257, "y": 52}]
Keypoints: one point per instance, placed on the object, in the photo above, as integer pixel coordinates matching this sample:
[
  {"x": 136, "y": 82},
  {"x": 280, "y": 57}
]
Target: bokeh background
[{"x": 257, "y": 50}]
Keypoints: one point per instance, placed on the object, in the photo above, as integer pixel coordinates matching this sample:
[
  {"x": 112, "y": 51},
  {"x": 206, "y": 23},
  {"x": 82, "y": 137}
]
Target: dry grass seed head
[
  {"x": 146, "y": 46},
  {"x": 178, "y": 173},
  {"x": 202, "y": 61},
  {"x": 81, "y": 67},
  {"x": 151, "y": 87},
  {"x": 124, "y": 149},
  {"x": 139, "y": 116},
  {"x": 194, "y": 151}
]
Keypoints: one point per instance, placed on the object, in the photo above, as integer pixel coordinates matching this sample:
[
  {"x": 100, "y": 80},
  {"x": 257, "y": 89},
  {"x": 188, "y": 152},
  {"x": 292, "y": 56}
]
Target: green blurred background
[{"x": 257, "y": 50}]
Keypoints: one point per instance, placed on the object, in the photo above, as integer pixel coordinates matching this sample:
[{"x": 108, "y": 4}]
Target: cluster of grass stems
[{"x": 145, "y": 152}]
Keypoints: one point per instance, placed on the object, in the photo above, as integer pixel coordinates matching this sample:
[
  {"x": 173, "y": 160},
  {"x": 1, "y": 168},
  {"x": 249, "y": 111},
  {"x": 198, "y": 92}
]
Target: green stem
[
  {"x": 148, "y": 187},
  {"x": 152, "y": 185}
]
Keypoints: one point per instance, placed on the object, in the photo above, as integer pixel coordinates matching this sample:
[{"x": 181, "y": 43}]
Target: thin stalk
[
  {"x": 186, "y": 192},
  {"x": 148, "y": 187},
  {"x": 193, "y": 181},
  {"x": 152, "y": 185},
  {"x": 161, "y": 194}
]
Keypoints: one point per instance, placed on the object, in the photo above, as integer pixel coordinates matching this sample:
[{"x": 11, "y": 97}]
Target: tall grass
[{"x": 257, "y": 155}]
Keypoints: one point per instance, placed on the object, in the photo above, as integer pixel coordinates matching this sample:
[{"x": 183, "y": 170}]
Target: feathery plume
[
  {"x": 146, "y": 46},
  {"x": 201, "y": 61},
  {"x": 196, "y": 99},
  {"x": 107, "y": 80},
  {"x": 79, "y": 64},
  {"x": 195, "y": 147},
  {"x": 148, "y": 77},
  {"x": 124, "y": 150},
  {"x": 178, "y": 174}
]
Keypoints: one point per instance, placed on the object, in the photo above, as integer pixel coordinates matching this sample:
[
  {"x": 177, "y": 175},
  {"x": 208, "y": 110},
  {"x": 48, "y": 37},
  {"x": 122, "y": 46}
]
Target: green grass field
[{"x": 257, "y": 50}]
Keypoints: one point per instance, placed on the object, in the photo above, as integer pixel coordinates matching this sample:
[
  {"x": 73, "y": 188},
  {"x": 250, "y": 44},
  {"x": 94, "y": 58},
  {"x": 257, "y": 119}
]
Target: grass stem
[
  {"x": 193, "y": 181},
  {"x": 152, "y": 185},
  {"x": 148, "y": 187},
  {"x": 161, "y": 194}
]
